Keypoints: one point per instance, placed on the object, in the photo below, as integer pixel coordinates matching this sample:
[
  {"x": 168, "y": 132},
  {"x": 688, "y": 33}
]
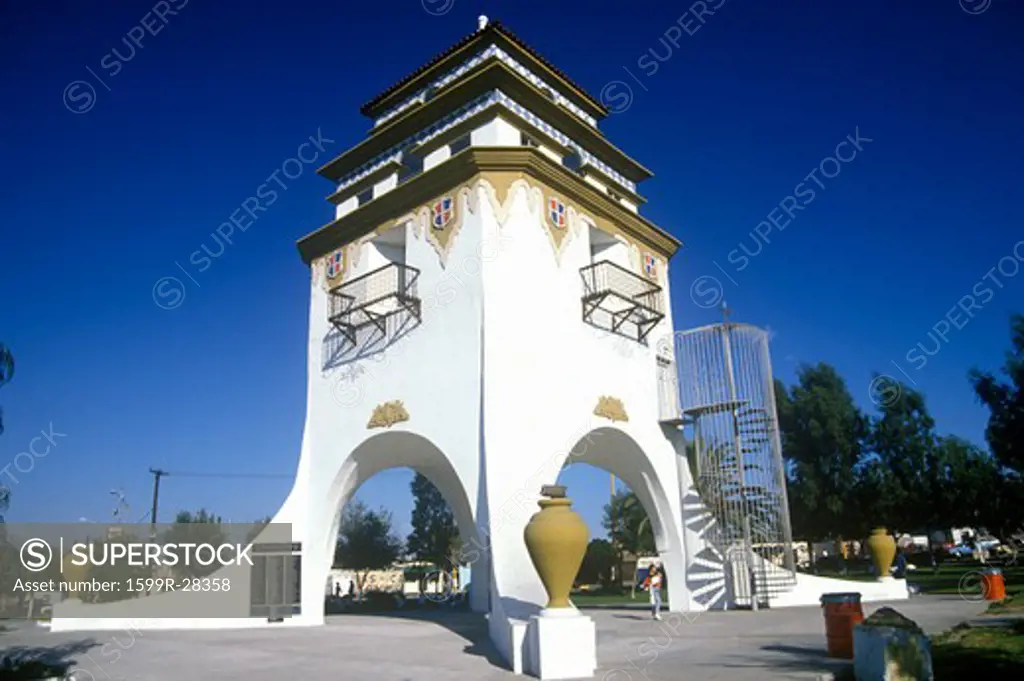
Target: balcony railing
[
  {"x": 373, "y": 297},
  {"x": 619, "y": 301}
]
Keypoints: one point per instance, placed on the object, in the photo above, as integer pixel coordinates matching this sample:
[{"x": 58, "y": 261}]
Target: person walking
[
  {"x": 900, "y": 569},
  {"x": 653, "y": 583}
]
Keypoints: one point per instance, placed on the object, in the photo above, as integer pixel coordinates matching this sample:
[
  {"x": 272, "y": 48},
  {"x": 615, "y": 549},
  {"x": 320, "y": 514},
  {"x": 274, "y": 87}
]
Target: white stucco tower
[{"x": 486, "y": 308}]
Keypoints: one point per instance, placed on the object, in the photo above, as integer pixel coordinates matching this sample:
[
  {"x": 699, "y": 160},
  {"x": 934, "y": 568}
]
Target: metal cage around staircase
[{"x": 727, "y": 393}]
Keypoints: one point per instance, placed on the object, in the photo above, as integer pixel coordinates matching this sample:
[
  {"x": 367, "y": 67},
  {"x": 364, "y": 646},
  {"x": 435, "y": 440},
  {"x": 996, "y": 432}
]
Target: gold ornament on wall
[
  {"x": 441, "y": 220},
  {"x": 388, "y": 414},
  {"x": 610, "y": 408}
]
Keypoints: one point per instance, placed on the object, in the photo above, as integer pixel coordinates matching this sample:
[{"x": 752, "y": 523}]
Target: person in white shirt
[{"x": 653, "y": 583}]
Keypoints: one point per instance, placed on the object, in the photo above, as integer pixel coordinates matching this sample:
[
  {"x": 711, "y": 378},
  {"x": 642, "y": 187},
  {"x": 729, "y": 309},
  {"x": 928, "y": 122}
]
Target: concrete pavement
[{"x": 775, "y": 644}]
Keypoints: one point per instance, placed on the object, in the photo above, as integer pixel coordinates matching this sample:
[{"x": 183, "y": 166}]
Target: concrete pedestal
[
  {"x": 561, "y": 644},
  {"x": 891, "y": 654}
]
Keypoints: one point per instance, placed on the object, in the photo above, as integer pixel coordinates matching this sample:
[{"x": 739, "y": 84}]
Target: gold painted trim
[
  {"x": 388, "y": 414},
  {"x": 500, "y": 190},
  {"x": 351, "y": 255},
  {"x": 443, "y": 240},
  {"x": 610, "y": 408},
  {"x": 559, "y": 237},
  {"x": 498, "y": 165}
]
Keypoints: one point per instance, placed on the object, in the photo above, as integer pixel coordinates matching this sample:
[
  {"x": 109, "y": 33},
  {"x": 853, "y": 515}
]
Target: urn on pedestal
[
  {"x": 883, "y": 550},
  {"x": 556, "y": 538}
]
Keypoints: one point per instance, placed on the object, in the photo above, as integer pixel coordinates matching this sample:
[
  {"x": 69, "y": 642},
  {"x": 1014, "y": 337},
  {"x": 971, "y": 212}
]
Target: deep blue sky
[{"x": 99, "y": 206}]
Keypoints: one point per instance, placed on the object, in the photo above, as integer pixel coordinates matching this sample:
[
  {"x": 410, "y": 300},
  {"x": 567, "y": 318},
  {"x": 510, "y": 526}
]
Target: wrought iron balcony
[
  {"x": 619, "y": 301},
  {"x": 372, "y": 298}
]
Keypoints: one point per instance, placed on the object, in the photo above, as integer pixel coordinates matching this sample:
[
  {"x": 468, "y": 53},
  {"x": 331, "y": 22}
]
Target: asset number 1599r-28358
[{"x": 150, "y": 584}]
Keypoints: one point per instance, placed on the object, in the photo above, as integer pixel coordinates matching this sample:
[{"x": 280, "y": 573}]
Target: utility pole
[{"x": 157, "y": 473}]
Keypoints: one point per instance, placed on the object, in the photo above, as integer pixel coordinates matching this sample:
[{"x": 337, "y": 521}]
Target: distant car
[{"x": 964, "y": 551}]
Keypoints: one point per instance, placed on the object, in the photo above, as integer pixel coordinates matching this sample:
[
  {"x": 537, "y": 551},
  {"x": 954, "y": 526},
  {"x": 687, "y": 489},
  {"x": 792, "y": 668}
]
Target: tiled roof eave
[{"x": 378, "y": 104}]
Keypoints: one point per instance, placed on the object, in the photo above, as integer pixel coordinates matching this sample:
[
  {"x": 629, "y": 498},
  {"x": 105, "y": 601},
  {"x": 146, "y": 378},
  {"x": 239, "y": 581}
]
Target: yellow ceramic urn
[
  {"x": 883, "y": 550},
  {"x": 556, "y": 538}
]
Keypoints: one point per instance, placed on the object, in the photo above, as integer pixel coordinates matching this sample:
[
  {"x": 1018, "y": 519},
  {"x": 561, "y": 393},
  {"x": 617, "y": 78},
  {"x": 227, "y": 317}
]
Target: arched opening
[
  {"x": 599, "y": 457},
  {"x": 396, "y": 457}
]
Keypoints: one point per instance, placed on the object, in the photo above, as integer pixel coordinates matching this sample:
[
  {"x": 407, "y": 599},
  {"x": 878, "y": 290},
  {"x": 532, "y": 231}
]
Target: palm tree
[{"x": 629, "y": 528}]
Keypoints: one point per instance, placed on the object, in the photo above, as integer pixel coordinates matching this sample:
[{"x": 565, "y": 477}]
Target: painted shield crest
[
  {"x": 335, "y": 264},
  {"x": 556, "y": 212},
  {"x": 442, "y": 212},
  {"x": 650, "y": 266}
]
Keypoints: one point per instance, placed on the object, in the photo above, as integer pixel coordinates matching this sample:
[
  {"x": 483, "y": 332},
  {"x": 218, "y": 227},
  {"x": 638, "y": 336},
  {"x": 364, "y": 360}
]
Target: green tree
[
  {"x": 201, "y": 527},
  {"x": 366, "y": 541},
  {"x": 918, "y": 478},
  {"x": 434, "y": 537},
  {"x": 969, "y": 485},
  {"x": 1003, "y": 513},
  {"x": 628, "y": 527},
  {"x": 875, "y": 495},
  {"x": 1005, "y": 402},
  {"x": 598, "y": 563},
  {"x": 822, "y": 433}
]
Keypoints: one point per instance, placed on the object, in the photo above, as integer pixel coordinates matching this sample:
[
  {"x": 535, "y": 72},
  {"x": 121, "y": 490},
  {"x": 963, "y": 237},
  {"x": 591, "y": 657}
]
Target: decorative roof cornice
[
  {"x": 492, "y": 52},
  {"x": 495, "y": 33},
  {"x": 466, "y": 165},
  {"x": 416, "y": 122}
]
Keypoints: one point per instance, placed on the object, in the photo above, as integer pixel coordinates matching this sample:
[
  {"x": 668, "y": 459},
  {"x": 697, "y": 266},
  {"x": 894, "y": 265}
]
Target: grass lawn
[
  {"x": 979, "y": 653},
  {"x": 953, "y": 578},
  {"x": 964, "y": 579},
  {"x": 959, "y": 578},
  {"x": 976, "y": 652}
]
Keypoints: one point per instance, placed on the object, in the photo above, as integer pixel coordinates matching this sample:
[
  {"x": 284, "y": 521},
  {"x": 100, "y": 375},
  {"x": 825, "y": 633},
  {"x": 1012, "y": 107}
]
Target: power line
[
  {"x": 159, "y": 473},
  {"x": 228, "y": 475}
]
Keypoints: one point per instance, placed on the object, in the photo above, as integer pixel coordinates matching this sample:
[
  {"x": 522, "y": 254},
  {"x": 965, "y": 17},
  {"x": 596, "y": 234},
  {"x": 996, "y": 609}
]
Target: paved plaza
[{"x": 777, "y": 644}]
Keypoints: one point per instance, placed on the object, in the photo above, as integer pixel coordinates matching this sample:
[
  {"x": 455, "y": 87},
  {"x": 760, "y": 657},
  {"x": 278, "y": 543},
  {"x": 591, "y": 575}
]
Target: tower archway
[
  {"x": 394, "y": 450},
  {"x": 615, "y": 451}
]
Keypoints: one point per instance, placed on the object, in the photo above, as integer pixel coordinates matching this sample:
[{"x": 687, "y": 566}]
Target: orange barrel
[
  {"x": 992, "y": 584},
  {"x": 842, "y": 612}
]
